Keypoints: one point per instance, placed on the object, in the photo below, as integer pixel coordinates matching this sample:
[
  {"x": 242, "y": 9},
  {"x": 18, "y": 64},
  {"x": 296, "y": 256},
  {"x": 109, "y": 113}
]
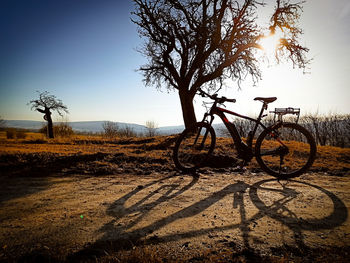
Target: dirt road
[{"x": 173, "y": 216}]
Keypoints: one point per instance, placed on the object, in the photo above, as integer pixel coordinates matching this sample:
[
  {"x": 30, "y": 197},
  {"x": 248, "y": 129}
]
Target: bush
[
  {"x": 21, "y": 135},
  {"x": 331, "y": 129},
  {"x": 110, "y": 129},
  {"x": 151, "y": 127},
  {"x": 10, "y": 133},
  {"x": 127, "y": 132},
  {"x": 61, "y": 129},
  {"x": 43, "y": 130}
]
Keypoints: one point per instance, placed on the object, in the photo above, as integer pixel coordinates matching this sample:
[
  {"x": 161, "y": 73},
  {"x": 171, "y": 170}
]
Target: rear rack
[{"x": 280, "y": 112}]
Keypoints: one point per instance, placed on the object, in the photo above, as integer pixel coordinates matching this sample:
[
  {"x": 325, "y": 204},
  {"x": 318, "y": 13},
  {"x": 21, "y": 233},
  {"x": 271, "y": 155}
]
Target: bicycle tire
[
  {"x": 298, "y": 150},
  {"x": 187, "y": 155}
]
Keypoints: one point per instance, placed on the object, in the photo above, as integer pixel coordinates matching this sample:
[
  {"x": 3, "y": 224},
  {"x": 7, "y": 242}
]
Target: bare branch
[
  {"x": 47, "y": 103},
  {"x": 191, "y": 43},
  {"x": 194, "y": 43}
]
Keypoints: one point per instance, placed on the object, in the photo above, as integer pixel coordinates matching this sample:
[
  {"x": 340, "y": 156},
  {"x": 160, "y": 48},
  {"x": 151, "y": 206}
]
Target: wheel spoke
[
  {"x": 193, "y": 147},
  {"x": 287, "y": 150},
  {"x": 272, "y": 152}
]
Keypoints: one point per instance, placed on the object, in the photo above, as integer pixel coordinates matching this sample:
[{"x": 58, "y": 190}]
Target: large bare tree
[
  {"x": 45, "y": 104},
  {"x": 194, "y": 43}
]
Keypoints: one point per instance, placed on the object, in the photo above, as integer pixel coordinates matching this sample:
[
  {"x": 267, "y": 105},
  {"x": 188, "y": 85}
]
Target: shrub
[
  {"x": 331, "y": 129},
  {"x": 43, "y": 130},
  {"x": 21, "y": 135},
  {"x": 61, "y": 129},
  {"x": 10, "y": 133},
  {"x": 151, "y": 127},
  {"x": 127, "y": 131},
  {"x": 110, "y": 129}
]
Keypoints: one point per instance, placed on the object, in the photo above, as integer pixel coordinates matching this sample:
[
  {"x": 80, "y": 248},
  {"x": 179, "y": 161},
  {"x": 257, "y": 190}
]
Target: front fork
[{"x": 201, "y": 146}]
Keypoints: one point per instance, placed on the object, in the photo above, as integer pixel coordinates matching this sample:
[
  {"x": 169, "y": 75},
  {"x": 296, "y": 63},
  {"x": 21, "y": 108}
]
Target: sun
[{"x": 270, "y": 42}]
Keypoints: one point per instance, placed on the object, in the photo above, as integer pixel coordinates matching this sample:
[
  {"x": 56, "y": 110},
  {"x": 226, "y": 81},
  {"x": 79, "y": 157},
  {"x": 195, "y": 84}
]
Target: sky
[{"x": 85, "y": 53}]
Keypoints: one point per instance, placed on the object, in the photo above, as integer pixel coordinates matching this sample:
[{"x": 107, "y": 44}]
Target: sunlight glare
[{"x": 270, "y": 43}]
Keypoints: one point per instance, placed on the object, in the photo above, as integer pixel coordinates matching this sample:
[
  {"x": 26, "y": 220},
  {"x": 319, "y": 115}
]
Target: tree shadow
[
  {"x": 11, "y": 188},
  {"x": 43, "y": 164},
  {"x": 117, "y": 237}
]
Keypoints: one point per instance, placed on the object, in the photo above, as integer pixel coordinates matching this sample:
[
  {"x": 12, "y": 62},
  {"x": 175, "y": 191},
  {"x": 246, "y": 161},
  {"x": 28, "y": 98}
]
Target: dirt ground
[
  {"x": 98, "y": 200},
  {"x": 167, "y": 216}
]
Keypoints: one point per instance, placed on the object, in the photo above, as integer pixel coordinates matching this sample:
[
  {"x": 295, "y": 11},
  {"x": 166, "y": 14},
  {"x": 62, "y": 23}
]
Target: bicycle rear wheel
[
  {"x": 193, "y": 147},
  {"x": 285, "y": 150}
]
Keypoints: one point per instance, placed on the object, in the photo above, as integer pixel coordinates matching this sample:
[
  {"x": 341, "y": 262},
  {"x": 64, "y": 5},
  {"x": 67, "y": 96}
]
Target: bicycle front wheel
[
  {"x": 193, "y": 147},
  {"x": 285, "y": 150}
]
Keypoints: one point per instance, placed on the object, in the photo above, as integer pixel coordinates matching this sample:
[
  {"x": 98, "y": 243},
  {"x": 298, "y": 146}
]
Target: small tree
[
  {"x": 45, "y": 104},
  {"x": 127, "y": 132},
  {"x": 151, "y": 127},
  {"x": 110, "y": 129}
]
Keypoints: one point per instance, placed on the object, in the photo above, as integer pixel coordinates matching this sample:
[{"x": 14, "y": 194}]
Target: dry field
[{"x": 92, "y": 199}]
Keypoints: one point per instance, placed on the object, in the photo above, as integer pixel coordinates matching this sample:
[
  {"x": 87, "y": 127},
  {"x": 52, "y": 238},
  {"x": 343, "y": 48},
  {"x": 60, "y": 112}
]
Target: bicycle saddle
[{"x": 266, "y": 100}]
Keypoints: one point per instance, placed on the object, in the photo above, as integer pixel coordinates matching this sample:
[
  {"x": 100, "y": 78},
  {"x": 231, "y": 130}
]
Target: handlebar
[{"x": 215, "y": 97}]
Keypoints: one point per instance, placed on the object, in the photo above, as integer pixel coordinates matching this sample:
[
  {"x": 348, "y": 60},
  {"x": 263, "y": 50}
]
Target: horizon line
[{"x": 43, "y": 121}]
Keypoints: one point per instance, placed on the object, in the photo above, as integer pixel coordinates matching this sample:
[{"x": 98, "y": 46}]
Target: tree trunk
[
  {"x": 188, "y": 113},
  {"x": 49, "y": 123}
]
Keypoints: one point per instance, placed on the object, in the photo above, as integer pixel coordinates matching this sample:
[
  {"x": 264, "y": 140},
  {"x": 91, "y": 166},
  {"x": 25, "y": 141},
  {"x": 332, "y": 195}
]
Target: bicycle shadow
[
  {"x": 277, "y": 209},
  {"x": 126, "y": 236}
]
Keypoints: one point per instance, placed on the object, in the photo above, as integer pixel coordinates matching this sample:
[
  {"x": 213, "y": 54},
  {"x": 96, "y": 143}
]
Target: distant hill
[
  {"x": 91, "y": 126},
  {"x": 30, "y": 125}
]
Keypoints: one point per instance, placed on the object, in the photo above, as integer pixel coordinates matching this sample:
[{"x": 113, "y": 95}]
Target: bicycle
[{"x": 283, "y": 150}]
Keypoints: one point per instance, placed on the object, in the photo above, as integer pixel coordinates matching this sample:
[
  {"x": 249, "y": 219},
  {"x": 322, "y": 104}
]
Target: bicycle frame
[
  {"x": 244, "y": 150},
  {"x": 283, "y": 149}
]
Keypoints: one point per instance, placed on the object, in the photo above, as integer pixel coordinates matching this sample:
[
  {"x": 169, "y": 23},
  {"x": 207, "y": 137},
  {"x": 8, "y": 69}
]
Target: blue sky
[{"x": 84, "y": 52}]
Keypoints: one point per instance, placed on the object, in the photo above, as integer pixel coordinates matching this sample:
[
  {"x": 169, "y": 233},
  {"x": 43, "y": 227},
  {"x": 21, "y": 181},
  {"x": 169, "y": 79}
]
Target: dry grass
[
  {"x": 85, "y": 155},
  {"x": 331, "y": 158},
  {"x": 144, "y": 152}
]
